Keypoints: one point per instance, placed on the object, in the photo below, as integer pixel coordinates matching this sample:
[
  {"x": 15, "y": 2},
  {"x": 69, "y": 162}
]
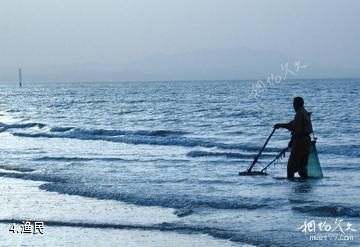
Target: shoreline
[{"x": 76, "y": 220}]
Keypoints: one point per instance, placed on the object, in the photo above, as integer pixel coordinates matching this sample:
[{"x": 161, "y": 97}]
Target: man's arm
[
  {"x": 284, "y": 125},
  {"x": 294, "y": 126}
]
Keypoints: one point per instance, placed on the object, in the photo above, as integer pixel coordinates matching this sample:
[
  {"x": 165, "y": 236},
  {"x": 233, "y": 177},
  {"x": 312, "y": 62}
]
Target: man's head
[{"x": 298, "y": 103}]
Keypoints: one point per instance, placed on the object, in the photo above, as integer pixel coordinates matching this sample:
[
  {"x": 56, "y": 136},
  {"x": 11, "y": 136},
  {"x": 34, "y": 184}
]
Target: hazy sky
[{"x": 72, "y": 32}]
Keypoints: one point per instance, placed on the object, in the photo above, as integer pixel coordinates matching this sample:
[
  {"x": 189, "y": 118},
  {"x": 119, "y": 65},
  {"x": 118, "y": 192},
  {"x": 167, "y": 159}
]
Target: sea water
[{"x": 181, "y": 144}]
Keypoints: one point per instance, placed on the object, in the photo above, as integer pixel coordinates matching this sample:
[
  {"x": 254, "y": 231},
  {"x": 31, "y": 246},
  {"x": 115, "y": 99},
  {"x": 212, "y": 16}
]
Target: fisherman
[{"x": 300, "y": 142}]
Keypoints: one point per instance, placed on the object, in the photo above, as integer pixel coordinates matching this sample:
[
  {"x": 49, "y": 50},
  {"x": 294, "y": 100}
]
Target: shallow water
[{"x": 181, "y": 145}]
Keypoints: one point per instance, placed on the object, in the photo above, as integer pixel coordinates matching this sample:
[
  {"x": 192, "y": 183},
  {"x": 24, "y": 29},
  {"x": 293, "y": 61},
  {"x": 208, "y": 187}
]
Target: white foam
[{"x": 23, "y": 200}]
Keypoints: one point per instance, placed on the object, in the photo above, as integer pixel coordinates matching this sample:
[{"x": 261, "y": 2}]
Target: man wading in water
[{"x": 300, "y": 142}]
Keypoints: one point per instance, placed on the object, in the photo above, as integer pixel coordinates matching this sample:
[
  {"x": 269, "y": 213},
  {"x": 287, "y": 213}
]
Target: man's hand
[{"x": 277, "y": 126}]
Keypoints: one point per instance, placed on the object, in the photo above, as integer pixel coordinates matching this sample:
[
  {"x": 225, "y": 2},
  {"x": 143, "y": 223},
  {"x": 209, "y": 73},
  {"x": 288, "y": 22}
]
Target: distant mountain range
[{"x": 204, "y": 64}]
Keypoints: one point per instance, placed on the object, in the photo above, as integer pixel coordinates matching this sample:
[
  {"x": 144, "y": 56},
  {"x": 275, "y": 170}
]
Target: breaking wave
[
  {"x": 328, "y": 211},
  {"x": 223, "y": 154},
  {"x": 163, "y": 200},
  {"x": 147, "y": 137},
  {"x": 158, "y": 137},
  {"x": 5, "y": 127}
]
